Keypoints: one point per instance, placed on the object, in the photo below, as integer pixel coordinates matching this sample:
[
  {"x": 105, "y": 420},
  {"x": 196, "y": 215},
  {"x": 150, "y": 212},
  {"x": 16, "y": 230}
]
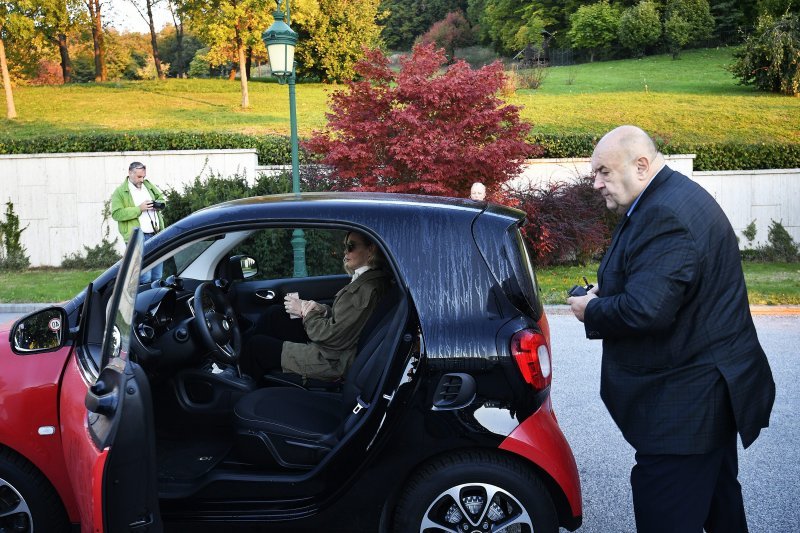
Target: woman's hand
[{"x": 297, "y": 307}]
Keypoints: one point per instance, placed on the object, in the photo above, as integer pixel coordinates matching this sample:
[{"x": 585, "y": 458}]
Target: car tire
[
  {"x": 28, "y": 502},
  {"x": 478, "y": 489}
]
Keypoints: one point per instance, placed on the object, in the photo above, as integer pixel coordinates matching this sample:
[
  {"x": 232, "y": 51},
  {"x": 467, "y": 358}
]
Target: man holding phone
[{"x": 137, "y": 203}]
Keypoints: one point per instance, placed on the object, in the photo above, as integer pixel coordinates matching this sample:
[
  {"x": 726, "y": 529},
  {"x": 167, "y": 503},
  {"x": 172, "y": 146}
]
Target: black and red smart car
[{"x": 124, "y": 409}]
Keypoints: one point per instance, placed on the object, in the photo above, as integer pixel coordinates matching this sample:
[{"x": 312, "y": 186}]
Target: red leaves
[{"x": 422, "y": 130}]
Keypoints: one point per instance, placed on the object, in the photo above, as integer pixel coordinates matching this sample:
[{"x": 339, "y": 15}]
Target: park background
[{"x": 147, "y": 76}]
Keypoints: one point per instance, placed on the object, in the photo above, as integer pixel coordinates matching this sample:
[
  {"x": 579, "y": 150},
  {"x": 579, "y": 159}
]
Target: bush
[
  {"x": 566, "y": 222},
  {"x": 101, "y": 256},
  {"x": 780, "y": 246},
  {"x": 12, "y": 253},
  {"x": 419, "y": 131},
  {"x": 594, "y": 27},
  {"x": 272, "y": 149},
  {"x": 770, "y": 57}
]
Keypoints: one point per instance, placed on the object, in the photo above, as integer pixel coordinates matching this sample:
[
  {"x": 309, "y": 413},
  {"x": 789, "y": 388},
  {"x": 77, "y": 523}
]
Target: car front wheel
[
  {"x": 27, "y": 500},
  {"x": 475, "y": 492}
]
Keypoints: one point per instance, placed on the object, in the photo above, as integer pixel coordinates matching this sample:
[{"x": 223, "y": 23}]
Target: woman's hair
[{"x": 376, "y": 258}]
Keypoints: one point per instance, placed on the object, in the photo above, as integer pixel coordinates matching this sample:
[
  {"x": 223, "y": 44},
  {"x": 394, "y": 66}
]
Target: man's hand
[
  {"x": 578, "y": 303},
  {"x": 144, "y": 206}
]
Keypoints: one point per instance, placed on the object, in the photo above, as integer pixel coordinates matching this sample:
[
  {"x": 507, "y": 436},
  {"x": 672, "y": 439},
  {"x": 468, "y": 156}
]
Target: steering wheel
[{"x": 217, "y": 327}]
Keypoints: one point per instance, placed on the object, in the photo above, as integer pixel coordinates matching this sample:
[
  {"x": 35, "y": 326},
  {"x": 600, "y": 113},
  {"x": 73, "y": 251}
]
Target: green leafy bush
[
  {"x": 770, "y": 57},
  {"x": 102, "y": 255},
  {"x": 12, "y": 253},
  {"x": 780, "y": 246}
]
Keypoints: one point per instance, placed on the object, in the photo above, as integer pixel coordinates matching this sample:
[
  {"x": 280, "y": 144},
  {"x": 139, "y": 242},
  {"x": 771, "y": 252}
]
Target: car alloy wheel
[
  {"x": 15, "y": 515},
  {"x": 476, "y": 507}
]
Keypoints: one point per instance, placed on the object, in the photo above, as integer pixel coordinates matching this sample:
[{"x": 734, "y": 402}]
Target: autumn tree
[
  {"x": 54, "y": 20},
  {"x": 94, "y": 7},
  {"x": 145, "y": 10},
  {"x": 15, "y": 22},
  {"x": 333, "y": 35},
  {"x": 420, "y": 130},
  {"x": 449, "y": 33},
  {"x": 229, "y": 27}
]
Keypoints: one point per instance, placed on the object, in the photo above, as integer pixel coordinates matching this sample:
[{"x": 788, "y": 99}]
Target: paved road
[{"x": 769, "y": 469}]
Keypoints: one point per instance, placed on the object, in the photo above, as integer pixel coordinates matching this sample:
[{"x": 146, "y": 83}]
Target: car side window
[{"x": 272, "y": 249}]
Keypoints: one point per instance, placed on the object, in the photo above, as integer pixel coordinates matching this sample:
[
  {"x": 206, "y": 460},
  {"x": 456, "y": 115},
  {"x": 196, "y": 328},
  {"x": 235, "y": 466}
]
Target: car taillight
[{"x": 532, "y": 355}]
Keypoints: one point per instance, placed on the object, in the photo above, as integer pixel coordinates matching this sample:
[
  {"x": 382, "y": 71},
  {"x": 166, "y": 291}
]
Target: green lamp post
[{"x": 280, "y": 41}]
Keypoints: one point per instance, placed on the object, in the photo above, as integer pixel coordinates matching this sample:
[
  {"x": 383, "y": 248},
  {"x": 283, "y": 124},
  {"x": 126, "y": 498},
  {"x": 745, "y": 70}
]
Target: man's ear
[{"x": 643, "y": 167}]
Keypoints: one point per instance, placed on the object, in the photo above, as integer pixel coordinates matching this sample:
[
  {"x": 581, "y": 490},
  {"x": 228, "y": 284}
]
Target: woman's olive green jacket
[{"x": 334, "y": 331}]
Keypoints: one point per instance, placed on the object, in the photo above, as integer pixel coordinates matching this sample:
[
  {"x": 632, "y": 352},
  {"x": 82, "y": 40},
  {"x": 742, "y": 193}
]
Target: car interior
[{"x": 214, "y": 422}]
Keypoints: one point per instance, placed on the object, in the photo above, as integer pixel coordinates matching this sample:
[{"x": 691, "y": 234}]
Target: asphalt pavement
[{"x": 769, "y": 470}]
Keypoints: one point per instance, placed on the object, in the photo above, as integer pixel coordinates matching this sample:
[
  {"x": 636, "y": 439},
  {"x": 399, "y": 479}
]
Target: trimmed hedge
[
  {"x": 271, "y": 149},
  {"x": 709, "y": 156},
  {"x": 276, "y": 150}
]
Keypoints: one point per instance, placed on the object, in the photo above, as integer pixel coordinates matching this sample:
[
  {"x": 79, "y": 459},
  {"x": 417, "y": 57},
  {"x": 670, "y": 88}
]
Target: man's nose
[{"x": 597, "y": 183}]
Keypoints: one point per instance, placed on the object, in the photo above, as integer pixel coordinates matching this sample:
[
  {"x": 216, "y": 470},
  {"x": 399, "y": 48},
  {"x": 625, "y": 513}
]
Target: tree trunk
[
  {"x": 243, "y": 77},
  {"x": 66, "y": 62},
  {"x": 153, "y": 41},
  {"x": 100, "y": 73},
  {"x": 11, "y": 111},
  {"x": 180, "y": 67},
  {"x": 249, "y": 61}
]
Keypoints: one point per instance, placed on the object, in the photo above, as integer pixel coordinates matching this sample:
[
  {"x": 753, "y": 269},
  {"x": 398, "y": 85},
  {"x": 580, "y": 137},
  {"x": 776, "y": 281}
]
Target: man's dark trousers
[{"x": 687, "y": 493}]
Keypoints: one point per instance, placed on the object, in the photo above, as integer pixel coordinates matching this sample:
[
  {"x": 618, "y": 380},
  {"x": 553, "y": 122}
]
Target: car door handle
[{"x": 266, "y": 295}]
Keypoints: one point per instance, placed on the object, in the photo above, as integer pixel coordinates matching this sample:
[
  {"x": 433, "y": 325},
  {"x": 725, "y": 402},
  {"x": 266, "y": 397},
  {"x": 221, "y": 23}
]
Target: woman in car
[{"x": 333, "y": 331}]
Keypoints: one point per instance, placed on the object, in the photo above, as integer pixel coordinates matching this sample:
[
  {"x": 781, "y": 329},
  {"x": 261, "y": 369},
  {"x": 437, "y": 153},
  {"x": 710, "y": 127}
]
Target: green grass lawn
[
  {"x": 767, "y": 283},
  {"x": 689, "y": 100}
]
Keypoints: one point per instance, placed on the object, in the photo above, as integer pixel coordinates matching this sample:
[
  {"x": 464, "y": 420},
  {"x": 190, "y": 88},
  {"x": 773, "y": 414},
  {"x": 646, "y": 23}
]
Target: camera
[
  {"x": 578, "y": 290},
  {"x": 159, "y": 205}
]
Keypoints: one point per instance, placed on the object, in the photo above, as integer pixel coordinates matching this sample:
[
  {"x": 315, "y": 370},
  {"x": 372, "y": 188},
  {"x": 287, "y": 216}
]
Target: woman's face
[{"x": 356, "y": 252}]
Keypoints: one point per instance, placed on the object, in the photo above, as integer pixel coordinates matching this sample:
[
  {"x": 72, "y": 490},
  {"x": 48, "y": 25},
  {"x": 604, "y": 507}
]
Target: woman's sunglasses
[{"x": 349, "y": 246}]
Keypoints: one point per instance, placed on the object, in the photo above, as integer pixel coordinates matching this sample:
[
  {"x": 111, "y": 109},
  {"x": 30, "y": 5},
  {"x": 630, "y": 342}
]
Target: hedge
[
  {"x": 709, "y": 156},
  {"x": 275, "y": 149}
]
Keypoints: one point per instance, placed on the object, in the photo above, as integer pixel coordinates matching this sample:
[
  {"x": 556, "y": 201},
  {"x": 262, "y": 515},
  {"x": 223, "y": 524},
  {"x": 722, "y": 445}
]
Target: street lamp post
[{"x": 280, "y": 41}]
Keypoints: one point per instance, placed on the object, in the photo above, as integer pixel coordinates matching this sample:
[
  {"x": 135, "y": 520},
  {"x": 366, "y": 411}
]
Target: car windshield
[{"x": 186, "y": 256}]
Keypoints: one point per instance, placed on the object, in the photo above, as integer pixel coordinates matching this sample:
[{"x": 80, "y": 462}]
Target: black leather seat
[{"x": 295, "y": 427}]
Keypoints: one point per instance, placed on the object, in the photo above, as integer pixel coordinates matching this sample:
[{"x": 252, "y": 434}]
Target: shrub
[
  {"x": 421, "y": 131},
  {"x": 640, "y": 27},
  {"x": 770, "y": 57},
  {"x": 567, "y": 222},
  {"x": 528, "y": 78},
  {"x": 781, "y": 246},
  {"x": 12, "y": 253},
  {"x": 102, "y": 255}
]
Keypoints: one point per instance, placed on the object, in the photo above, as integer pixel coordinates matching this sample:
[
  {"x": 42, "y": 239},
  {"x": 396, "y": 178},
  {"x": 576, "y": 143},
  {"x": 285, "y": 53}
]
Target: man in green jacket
[{"x": 137, "y": 203}]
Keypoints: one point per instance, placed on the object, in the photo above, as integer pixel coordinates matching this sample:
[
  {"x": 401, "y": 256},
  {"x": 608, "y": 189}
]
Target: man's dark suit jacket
[{"x": 682, "y": 366}]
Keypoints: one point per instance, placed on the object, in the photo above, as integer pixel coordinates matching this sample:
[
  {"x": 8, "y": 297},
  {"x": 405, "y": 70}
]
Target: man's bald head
[{"x": 624, "y": 162}]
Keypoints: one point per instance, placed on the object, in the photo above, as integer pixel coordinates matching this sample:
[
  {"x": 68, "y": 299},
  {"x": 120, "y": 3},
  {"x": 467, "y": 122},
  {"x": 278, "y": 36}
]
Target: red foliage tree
[
  {"x": 420, "y": 130},
  {"x": 449, "y": 33}
]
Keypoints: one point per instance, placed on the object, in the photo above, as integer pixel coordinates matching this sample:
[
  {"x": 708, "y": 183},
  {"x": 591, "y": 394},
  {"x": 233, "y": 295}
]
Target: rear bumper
[{"x": 539, "y": 439}]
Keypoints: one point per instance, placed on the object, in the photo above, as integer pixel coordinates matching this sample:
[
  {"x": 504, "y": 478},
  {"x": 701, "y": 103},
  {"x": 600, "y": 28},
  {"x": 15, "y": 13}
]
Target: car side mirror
[
  {"x": 249, "y": 266},
  {"x": 42, "y": 331}
]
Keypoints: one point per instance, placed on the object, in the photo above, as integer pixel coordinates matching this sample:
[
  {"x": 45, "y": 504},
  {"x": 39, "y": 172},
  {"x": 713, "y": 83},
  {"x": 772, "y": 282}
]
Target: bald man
[
  {"x": 683, "y": 371},
  {"x": 478, "y": 191}
]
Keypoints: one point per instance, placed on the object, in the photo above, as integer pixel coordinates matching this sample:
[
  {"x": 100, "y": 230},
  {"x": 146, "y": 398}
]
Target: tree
[
  {"x": 594, "y": 27},
  {"x": 640, "y": 27},
  {"x": 229, "y": 27},
  {"x": 55, "y": 20},
  {"x": 512, "y": 24},
  {"x": 687, "y": 22},
  {"x": 420, "y": 131},
  {"x": 408, "y": 19},
  {"x": 16, "y": 23},
  {"x": 450, "y": 33},
  {"x": 333, "y": 35},
  {"x": 145, "y": 10},
  {"x": 770, "y": 57},
  {"x": 94, "y": 8}
]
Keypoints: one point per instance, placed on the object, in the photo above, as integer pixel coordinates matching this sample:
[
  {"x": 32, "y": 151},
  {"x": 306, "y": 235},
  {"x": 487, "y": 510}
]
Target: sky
[{"x": 123, "y": 16}]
